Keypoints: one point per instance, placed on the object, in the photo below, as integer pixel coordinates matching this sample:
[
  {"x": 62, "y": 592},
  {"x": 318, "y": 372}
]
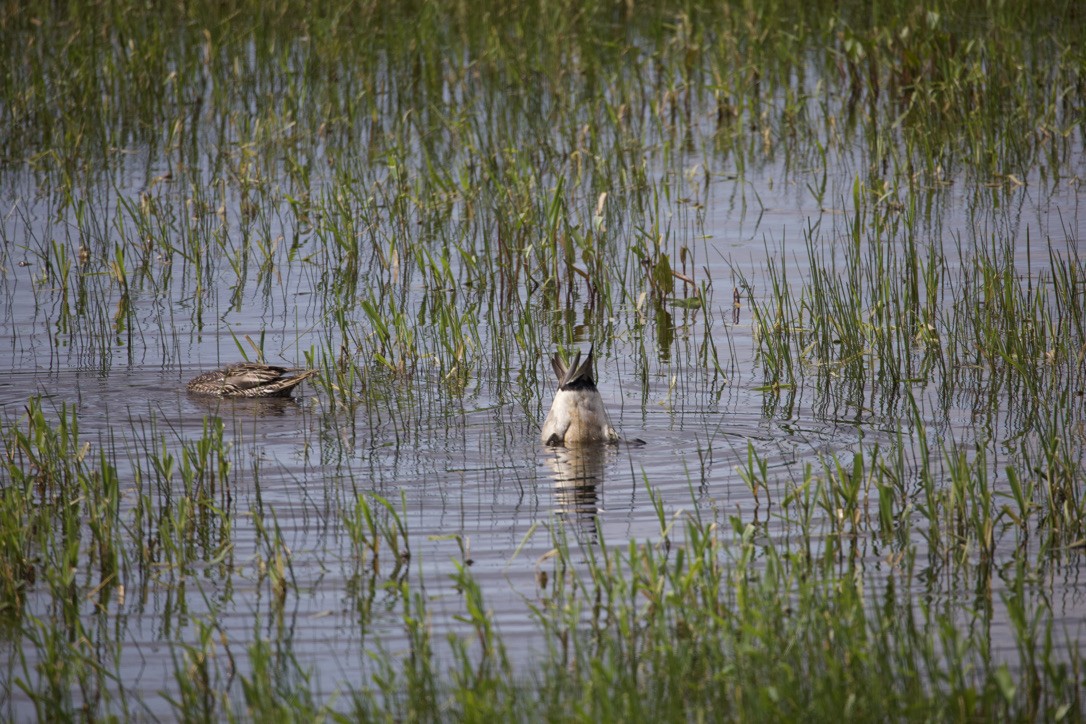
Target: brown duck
[{"x": 250, "y": 379}]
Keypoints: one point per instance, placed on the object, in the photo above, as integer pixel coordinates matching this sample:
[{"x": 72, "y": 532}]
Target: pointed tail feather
[
  {"x": 577, "y": 371},
  {"x": 559, "y": 368}
]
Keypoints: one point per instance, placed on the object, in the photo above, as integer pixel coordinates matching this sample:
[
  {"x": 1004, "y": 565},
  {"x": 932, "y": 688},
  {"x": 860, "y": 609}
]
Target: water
[{"x": 466, "y": 472}]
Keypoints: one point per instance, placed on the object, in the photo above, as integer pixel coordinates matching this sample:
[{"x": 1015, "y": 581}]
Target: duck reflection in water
[{"x": 578, "y": 477}]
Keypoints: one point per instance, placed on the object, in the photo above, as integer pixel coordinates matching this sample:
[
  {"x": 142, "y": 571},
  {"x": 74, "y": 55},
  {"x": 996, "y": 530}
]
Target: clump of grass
[
  {"x": 277, "y": 687},
  {"x": 200, "y": 679},
  {"x": 64, "y": 538},
  {"x": 185, "y": 502},
  {"x": 54, "y": 488}
]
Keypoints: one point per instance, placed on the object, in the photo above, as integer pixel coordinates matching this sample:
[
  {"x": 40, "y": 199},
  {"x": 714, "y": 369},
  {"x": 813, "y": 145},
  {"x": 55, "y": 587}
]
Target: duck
[
  {"x": 577, "y": 415},
  {"x": 250, "y": 379}
]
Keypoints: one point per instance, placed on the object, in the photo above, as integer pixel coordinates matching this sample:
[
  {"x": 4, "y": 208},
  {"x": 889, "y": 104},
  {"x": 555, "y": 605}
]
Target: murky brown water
[{"x": 472, "y": 479}]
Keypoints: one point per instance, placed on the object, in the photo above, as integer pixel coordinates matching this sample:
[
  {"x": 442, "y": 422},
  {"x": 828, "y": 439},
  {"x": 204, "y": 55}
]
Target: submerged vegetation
[{"x": 857, "y": 220}]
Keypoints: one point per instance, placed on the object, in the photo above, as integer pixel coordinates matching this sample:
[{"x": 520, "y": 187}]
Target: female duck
[
  {"x": 250, "y": 379},
  {"x": 577, "y": 415}
]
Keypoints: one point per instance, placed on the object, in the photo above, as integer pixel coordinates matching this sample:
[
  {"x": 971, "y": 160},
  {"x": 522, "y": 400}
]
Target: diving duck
[
  {"x": 250, "y": 379},
  {"x": 577, "y": 415}
]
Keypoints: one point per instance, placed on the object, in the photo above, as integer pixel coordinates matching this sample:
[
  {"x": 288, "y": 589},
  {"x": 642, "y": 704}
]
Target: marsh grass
[
  {"x": 719, "y": 615},
  {"x": 272, "y": 103},
  {"x": 424, "y": 200},
  {"x": 732, "y": 625},
  {"x": 63, "y": 532}
]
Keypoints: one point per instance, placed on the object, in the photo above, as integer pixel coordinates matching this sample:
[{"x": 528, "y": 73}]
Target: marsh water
[
  {"x": 451, "y": 441},
  {"x": 466, "y": 472}
]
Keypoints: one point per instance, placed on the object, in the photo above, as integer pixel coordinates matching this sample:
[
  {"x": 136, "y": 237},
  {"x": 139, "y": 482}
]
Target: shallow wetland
[{"x": 828, "y": 258}]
